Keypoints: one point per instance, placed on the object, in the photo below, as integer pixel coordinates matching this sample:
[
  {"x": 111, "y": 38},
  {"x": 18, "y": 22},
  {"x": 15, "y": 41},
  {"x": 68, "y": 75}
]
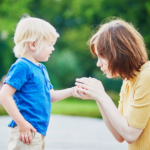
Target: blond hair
[{"x": 30, "y": 29}]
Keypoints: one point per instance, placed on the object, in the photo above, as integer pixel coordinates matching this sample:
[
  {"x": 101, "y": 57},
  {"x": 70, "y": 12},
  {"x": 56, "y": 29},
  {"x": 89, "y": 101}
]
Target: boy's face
[{"x": 44, "y": 54}]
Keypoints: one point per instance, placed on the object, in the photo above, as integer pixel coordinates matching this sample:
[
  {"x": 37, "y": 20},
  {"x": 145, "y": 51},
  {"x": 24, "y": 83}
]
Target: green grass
[
  {"x": 76, "y": 107},
  {"x": 2, "y": 111}
]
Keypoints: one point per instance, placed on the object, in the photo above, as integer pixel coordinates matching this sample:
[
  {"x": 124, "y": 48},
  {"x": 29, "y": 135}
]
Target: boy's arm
[
  {"x": 60, "y": 94},
  {"x": 7, "y": 101}
]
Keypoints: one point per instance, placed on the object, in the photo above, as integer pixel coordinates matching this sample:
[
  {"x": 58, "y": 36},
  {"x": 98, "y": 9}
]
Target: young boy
[{"x": 27, "y": 92}]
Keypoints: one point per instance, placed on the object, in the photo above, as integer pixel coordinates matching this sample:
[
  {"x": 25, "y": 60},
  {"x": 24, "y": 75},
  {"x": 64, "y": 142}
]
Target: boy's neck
[{"x": 30, "y": 58}]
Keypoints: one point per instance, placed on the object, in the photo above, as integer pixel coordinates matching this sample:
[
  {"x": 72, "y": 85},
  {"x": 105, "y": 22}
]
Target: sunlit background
[{"x": 76, "y": 21}]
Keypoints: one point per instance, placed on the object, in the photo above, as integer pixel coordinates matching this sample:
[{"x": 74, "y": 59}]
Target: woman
[{"x": 121, "y": 52}]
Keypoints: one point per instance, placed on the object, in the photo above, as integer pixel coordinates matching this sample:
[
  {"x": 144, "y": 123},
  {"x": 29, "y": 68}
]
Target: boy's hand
[
  {"x": 76, "y": 93},
  {"x": 25, "y": 131}
]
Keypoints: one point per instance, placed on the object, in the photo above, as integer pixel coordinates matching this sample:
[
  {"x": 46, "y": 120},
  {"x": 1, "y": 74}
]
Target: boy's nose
[{"x": 53, "y": 48}]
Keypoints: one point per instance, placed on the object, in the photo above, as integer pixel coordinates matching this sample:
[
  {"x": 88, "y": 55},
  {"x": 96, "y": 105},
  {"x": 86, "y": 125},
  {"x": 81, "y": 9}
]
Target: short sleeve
[
  {"x": 139, "y": 110},
  {"x": 17, "y": 75},
  {"x": 120, "y": 106}
]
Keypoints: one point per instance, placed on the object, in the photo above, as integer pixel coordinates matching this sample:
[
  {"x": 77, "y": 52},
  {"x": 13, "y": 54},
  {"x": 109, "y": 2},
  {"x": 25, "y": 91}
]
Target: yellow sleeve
[
  {"x": 120, "y": 106},
  {"x": 139, "y": 109}
]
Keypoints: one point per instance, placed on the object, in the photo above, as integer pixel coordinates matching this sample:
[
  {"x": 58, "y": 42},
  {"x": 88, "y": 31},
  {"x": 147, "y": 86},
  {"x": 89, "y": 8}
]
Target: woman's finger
[
  {"x": 83, "y": 78},
  {"x": 84, "y": 81},
  {"x": 84, "y": 91},
  {"x": 82, "y": 85},
  {"x": 81, "y": 95}
]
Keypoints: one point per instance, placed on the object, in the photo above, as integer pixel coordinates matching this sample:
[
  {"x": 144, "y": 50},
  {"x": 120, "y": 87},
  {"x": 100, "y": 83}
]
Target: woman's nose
[{"x": 99, "y": 63}]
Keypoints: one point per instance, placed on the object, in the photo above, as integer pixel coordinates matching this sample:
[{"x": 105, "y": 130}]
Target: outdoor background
[{"x": 76, "y": 21}]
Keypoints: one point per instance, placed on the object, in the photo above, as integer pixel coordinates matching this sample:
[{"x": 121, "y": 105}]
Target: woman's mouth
[{"x": 104, "y": 71}]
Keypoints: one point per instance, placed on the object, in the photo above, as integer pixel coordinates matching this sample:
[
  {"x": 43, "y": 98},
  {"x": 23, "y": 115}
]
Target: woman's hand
[{"x": 90, "y": 88}]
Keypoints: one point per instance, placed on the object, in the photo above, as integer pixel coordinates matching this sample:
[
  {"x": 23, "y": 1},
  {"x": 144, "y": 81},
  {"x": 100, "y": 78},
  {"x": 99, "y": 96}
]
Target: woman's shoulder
[
  {"x": 145, "y": 70},
  {"x": 144, "y": 75}
]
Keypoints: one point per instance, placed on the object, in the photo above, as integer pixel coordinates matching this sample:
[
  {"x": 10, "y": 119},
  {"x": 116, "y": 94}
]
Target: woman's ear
[{"x": 32, "y": 46}]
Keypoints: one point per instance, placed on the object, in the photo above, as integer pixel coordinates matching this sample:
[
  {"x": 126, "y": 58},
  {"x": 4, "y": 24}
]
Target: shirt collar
[{"x": 143, "y": 67}]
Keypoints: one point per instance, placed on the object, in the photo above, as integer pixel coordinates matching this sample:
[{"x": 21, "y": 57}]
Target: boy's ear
[{"x": 32, "y": 46}]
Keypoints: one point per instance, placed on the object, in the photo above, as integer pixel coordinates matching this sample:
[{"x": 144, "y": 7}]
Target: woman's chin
[{"x": 109, "y": 76}]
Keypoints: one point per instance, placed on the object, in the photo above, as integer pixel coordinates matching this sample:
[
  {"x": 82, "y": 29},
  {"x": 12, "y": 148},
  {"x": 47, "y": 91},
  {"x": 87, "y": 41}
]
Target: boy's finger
[
  {"x": 23, "y": 138},
  {"x": 26, "y": 139},
  {"x": 33, "y": 129},
  {"x": 76, "y": 93},
  {"x": 30, "y": 137},
  {"x": 20, "y": 137}
]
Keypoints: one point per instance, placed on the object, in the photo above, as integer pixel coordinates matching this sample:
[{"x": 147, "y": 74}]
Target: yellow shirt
[{"x": 134, "y": 104}]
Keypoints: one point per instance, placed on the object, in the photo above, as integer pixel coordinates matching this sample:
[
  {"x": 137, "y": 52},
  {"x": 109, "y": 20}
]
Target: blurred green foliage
[{"x": 76, "y": 21}]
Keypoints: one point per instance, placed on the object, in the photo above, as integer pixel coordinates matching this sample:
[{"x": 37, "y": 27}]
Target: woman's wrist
[{"x": 101, "y": 98}]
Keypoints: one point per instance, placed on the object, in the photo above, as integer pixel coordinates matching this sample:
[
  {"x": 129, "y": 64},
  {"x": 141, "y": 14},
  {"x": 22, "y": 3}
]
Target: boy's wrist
[
  {"x": 20, "y": 121},
  {"x": 71, "y": 89}
]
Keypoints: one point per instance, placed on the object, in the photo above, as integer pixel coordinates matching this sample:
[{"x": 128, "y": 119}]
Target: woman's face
[{"x": 103, "y": 64}]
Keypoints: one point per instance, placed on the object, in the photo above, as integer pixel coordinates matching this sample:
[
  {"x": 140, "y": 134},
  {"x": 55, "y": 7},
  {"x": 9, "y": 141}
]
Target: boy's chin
[{"x": 43, "y": 60}]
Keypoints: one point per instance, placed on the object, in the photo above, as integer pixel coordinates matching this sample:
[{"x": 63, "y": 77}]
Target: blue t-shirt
[{"x": 32, "y": 95}]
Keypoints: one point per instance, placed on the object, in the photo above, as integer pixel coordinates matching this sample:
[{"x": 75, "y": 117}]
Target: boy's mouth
[{"x": 50, "y": 54}]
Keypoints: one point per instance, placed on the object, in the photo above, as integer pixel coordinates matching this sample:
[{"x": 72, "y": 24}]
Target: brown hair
[{"x": 122, "y": 45}]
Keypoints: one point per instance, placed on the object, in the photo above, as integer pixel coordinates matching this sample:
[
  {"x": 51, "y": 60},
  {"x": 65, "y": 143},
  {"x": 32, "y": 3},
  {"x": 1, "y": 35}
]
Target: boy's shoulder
[
  {"x": 25, "y": 63},
  {"x": 20, "y": 64},
  {"x": 21, "y": 61}
]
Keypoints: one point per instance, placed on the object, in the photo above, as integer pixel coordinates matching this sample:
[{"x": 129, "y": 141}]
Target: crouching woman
[{"x": 121, "y": 51}]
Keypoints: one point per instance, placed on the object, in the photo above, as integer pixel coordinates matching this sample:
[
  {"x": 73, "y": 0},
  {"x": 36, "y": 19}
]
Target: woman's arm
[
  {"x": 60, "y": 94},
  {"x": 119, "y": 122},
  {"x": 117, "y": 136},
  {"x": 95, "y": 90}
]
